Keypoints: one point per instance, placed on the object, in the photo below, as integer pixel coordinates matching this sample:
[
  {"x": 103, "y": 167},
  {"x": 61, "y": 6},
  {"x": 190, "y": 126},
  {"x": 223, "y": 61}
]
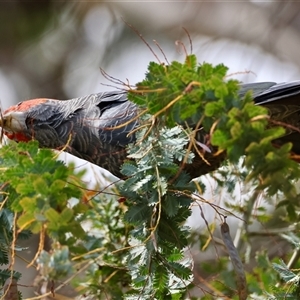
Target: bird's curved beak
[{"x": 13, "y": 122}]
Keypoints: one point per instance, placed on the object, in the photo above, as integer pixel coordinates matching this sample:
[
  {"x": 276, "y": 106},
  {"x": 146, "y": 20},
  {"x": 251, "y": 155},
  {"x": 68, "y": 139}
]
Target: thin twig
[
  {"x": 190, "y": 39},
  {"x": 142, "y": 38},
  {"x": 161, "y": 50}
]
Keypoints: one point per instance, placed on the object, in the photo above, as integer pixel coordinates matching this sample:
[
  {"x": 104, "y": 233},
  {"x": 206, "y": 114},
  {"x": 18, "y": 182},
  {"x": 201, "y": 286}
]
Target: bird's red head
[
  {"x": 14, "y": 118},
  {"x": 25, "y": 105}
]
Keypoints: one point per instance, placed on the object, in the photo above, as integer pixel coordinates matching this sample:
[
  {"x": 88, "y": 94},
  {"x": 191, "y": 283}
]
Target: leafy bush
[{"x": 141, "y": 254}]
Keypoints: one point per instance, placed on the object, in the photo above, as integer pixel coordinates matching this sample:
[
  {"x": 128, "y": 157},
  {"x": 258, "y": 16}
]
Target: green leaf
[
  {"x": 24, "y": 188},
  {"x": 137, "y": 214},
  {"x": 66, "y": 215},
  {"x": 28, "y": 221},
  {"x": 40, "y": 186},
  {"x": 284, "y": 272},
  {"x": 291, "y": 212},
  {"x": 52, "y": 216}
]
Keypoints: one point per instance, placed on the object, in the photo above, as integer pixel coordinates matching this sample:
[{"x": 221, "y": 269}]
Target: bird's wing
[
  {"x": 256, "y": 88},
  {"x": 283, "y": 103},
  {"x": 281, "y": 99},
  {"x": 267, "y": 92},
  {"x": 117, "y": 118}
]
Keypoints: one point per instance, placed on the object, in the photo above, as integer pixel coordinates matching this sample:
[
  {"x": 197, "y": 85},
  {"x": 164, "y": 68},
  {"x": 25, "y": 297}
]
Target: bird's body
[
  {"x": 91, "y": 127},
  {"x": 84, "y": 127}
]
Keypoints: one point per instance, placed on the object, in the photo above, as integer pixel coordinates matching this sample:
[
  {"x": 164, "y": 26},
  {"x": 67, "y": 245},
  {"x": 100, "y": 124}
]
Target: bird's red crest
[{"x": 25, "y": 105}]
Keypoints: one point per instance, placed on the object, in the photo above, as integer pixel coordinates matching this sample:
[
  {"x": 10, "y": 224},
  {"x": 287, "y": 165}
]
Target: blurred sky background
[{"x": 55, "y": 49}]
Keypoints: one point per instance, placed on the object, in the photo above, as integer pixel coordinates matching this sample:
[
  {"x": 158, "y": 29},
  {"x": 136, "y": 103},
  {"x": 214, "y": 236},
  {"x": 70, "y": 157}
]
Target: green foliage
[
  {"x": 158, "y": 206},
  {"x": 137, "y": 249},
  {"x": 6, "y": 237},
  {"x": 186, "y": 93},
  {"x": 177, "y": 97},
  {"x": 39, "y": 189},
  {"x": 56, "y": 265},
  {"x": 188, "y": 90},
  {"x": 104, "y": 251}
]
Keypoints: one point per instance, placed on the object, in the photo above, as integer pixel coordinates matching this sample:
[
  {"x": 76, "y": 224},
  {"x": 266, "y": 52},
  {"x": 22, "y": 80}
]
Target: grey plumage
[{"x": 89, "y": 127}]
